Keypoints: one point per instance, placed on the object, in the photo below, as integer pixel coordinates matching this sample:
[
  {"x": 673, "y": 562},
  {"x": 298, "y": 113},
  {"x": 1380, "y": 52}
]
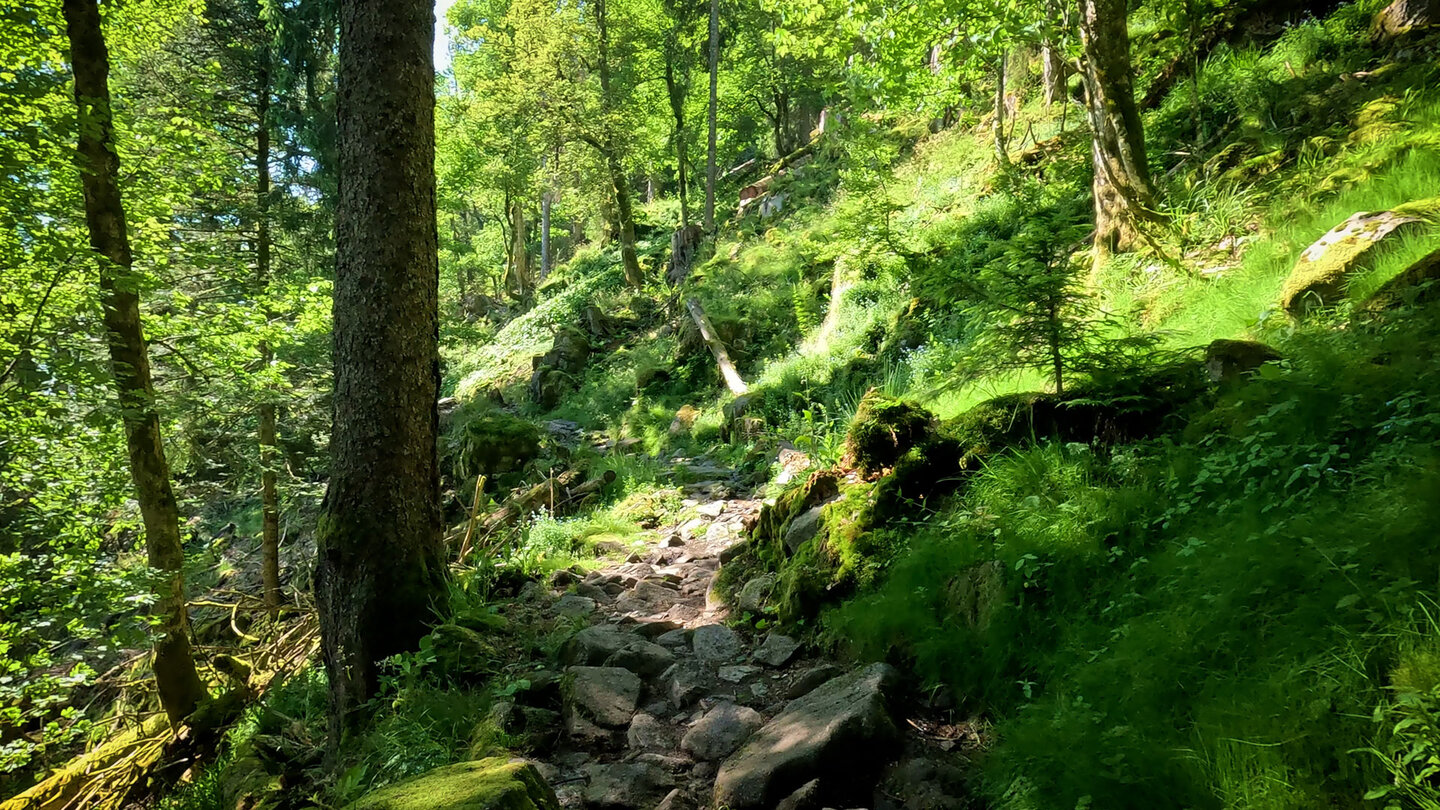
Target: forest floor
[{"x": 665, "y": 681}]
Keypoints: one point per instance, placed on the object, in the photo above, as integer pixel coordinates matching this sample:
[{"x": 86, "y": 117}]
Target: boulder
[
  {"x": 804, "y": 528},
  {"x": 812, "y": 679},
  {"x": 1404, "y": 16},
  {"x": 606, "y": 696},
  {"x": 497, "y": 783},
  {"x": 643, "y": 658},
  {"x": 754, "y": 593},
  {"x": 1417, "y": 284},
  {"x": 806, "y": 797},
  {"x": 687, "y": 683},
  {"x": 777, "y": 650},
  {"x": 626, "y": 786},
  {"x": 593, "y": 645},
  {"x": 1229, "y": 361},
  {"x": 647, "y": 733},
  {"x": 842, "y": 731},
  {"x": 716, "y": 644},
  {"x": 1319, "y": 277},
  {"x": 572, "y": 605},
  {"x": 721, "y": 731},
  {"x": 556, "y": 371}
]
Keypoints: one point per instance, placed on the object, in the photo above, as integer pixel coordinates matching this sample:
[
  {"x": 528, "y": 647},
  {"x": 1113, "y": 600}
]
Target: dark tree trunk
[
  {"x": 676, "y": 91},
  {"x": 546, "y": 201},
  {"x": 1124, "y": 196},
  {"x": 624, "y": 211},
  {"x": 380, "y": 566},
  {"x": 710, "y": 168},
  {"x": 176, "y": 680},
  {"x": 268, "y": 430}
]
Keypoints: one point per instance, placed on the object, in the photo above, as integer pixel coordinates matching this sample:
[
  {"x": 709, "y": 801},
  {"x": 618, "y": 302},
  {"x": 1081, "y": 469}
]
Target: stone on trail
[
  {"x": 716, "y": 644},
  {"x": 606, "y": 696},
  {"x": 711, "y": 509},
  {"x": 687, "y": 684},
  {"x": 646, "y": 598},
  {"x": 627, "y": 786},
  {"x": 842, "y": 732},
  {"x": 812, "y": 679},
  {"x": 803, "y": 528},
  {"x": 647, "y": 733},
  {"x": 806, "y": 797},
  {"x": 737, "y": 673},
  {"x": 643, "y": 658},
  {"x": 777, "y": 650},
  {"x": 721, "y": 731},
  {"x": 593, "y": 645},
  {"x": 572, "y": 605},
  {"x": 497, "y": 783},
  {"x": 675, "y": 800}
]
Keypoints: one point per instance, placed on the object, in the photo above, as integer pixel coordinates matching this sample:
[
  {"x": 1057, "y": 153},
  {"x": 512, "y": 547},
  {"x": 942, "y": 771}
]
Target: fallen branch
[{"x": 717, "y": 347}]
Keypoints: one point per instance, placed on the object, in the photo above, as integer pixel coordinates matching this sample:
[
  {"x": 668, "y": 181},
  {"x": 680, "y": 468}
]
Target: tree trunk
[
  {"x": 380, "y": 565},
  {"x": 676, "y": 92},
  {"x": 1053, "y": 69},
  {"x": 717, "y": 347},
  {"x": 624, "y": 212},
  {"x": 176, "y": 680},
  {"x": 519, "y": 252},
  {"x": 1002, "y": 149},
  {"x": 268, "y": 433},
  {"x": 1124, "y": 196},
  {"x": 546, "y": 200},
  {"x": 710, "y": 147},
  {"x": 1403, "y": 16}
]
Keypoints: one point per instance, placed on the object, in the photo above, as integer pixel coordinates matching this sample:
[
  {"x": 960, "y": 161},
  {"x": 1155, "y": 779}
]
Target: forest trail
[{"x": 666, "y": 695}]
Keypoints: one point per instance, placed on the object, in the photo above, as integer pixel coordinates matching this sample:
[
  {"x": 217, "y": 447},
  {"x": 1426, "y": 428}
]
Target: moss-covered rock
[
  {"x": 496, "y": 783},
  {"x": 1229, "y": 361},
  {"x": 1319, "y": 277},
  {"x": 493, "y": 443},
  {"x": 884, "y": 429},
  {"x": 1417, "y": 284},
  {"x": 770, "y": 527},
  {"x": 557, "y": 371}
]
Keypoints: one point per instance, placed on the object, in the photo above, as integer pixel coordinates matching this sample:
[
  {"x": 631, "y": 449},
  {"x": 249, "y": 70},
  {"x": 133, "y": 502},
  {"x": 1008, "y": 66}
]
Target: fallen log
[
  {"x": 717, "y": 347},
  {"x": 557, "y": 494}
]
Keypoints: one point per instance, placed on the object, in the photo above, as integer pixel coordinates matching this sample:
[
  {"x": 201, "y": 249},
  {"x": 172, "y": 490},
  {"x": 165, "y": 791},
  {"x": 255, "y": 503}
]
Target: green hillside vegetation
[{"x": 1145, "y": 527}]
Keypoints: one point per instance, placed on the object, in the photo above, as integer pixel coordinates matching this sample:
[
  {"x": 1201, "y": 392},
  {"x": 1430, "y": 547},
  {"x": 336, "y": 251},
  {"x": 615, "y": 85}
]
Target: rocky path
[{"x": 656, "y": 702}]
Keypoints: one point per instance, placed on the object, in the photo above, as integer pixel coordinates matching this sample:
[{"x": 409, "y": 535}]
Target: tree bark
[
  {"x": 717, "y": 347},
  {"x": 268, "y": 431},
  {"x": 176, "y": 679},
  {"x": 1002, "y": 148},
  {"x": 710, "y": 167},
  {"x": 1124, "y": 195},
  {"x": 676, "y": 91},
  {"x": 380, "y": 563},
  {"x": 546, "y": 200},
  {"x": 624, "y": 212},
  {"x": 519, "y": 253}
]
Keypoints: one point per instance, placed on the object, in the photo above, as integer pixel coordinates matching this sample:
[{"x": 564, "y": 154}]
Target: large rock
[
  {"x": 721, "y": 731},
  {"x": 842, "y": 732},
  {"x": 755, "y": 593},
  {"x": 804, "y": 528},
  {"x": 593, "y": 645},
  {"x": 1229, "y": 361},
  {"x": 628, "y": 786},
  {"x": 1417, "y": 284},
  {"x": 606, "y": 696},
  {"x": 497, "y": 783},
  {"x": 644, "y": 658},
  {"x": 1320, "y": 276},
  {"x": 716, "y": 644},
  {"x": 556, "y": 371},
  {"x": 1404, "y": 16},
  {"x": 777, "y": 650}
]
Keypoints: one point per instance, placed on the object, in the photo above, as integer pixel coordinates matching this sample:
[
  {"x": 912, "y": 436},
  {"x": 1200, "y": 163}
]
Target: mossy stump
[
  {"x": 496, "y": 783},
  {"x": 884, "y": 429}
]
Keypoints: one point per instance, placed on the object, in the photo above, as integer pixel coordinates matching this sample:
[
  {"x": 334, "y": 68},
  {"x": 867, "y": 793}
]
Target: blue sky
[{"x": 442, "y": 47}]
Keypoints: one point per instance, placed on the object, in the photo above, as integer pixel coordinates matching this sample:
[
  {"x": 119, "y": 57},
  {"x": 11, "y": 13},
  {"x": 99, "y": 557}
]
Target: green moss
[
  {"x": 883, "y": 430},
  {"x": 492, "y": 443},
  {"x": 496, "y": 783}
]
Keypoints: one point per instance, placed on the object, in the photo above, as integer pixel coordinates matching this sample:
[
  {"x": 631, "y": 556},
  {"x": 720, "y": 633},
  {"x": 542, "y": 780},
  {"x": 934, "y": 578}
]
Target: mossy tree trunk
[
  {"x": 624, "y": 211},
  {"x": 710, "y": 166},
  {"x": 1124, "y": 194},
  {"x": 176, "y": 679},
  {"x": 380, "y": 565}
]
